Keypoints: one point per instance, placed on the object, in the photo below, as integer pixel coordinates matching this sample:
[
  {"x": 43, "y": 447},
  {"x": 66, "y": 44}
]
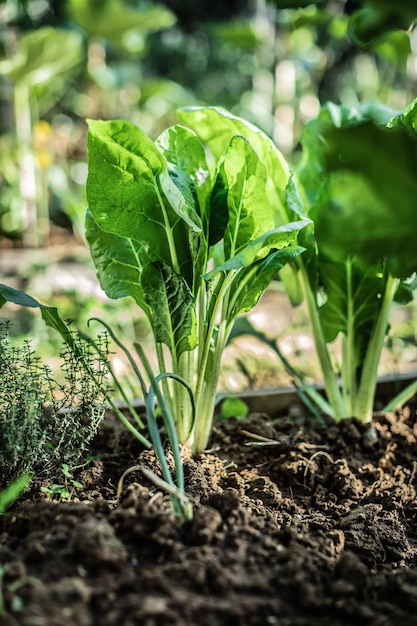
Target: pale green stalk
[
  {"x": 205, "y": 390},
  {"x": 27, "y": 164},
  {"x": 181, "y": 399},
  {"x": 162, "y": 368},
  {"x": 401, "y": 398},
  {"x": 330, "y": 381},
  {"x": 348, "y": 349},
  {"x": 363, "y": 408}
]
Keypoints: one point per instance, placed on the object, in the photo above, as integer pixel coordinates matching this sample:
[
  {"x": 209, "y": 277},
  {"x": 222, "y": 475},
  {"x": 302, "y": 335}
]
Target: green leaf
[
  {"x": 172, "y": 305},
  {"x": 239, "y": 33},
  {"x": 184, "y": 151},
  {"x": 251, "y": 283},
  {"x": 44, "y": 63},
  {"x": 405, "y": 292},
  {"x": 217, "y": 127},
  {"x": 260, "y": 247},
  {"x": 127, "y": 175},
  {"x": 177, "y": 190},
  {"x": 353, "y": 298},
  {"x": 311, "y": 171},
  {"x": 363, "y": 196},
  {"x": 13, "y": 491},
  {"x": 248, "y": 210},
  {"x": 49, "y": 314},
  {"x": 396, "y": 47},
  {"x": 119, "y": 262},
  {"x": 377, "y": 17},
  {"x": 406, "y": 118},
  {"x": 233, "y": 407},
  {"x": 42, "y": 55}
]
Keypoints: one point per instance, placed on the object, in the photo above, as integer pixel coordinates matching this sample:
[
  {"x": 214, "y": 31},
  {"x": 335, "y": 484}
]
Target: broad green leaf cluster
[
  {"x": 358, "y": 180},
  {"x": 195, "y": 241}
]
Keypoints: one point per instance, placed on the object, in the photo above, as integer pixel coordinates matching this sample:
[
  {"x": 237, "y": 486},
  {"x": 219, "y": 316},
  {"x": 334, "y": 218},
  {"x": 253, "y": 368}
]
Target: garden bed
[{"x": 311, "y": 525}]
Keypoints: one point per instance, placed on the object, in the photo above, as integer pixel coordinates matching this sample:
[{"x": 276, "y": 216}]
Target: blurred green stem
[{"x": 34, "y": 216}]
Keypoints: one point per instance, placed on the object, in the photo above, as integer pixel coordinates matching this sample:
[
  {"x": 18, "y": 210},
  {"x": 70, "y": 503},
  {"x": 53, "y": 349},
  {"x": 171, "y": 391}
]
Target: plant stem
[
  {"x": 401, "y": 398},
  {"x": 27, "y": 175},
  {"x": 330, "y": 381},
  {"x": 162, "y": 368},
  {"x": 212, "y": 349},
  {"x": 364, "y": 404},
  {"x": 183, "y": 411},
  {"x": 206, "y": 400},
  {"x": 348, "y": 348}
]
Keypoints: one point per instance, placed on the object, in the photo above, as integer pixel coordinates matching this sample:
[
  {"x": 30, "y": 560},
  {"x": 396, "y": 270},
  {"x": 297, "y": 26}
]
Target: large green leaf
[
  {"x": 119, "y": 262},
  {"x": 362, "y": 180},
  {"x": 353, "y": 300},
  {"x": 249, "y": 213},
  {"x": 125, "y": 190},
  {"x": 259, "y": 248},
  {"x": 250, "y": 284},
  {"x": 311, "y": 171},
  {"x": 184, "y": 151},
  {"x": 217, "y": 127},
  {"x": 172, "y": 306}
]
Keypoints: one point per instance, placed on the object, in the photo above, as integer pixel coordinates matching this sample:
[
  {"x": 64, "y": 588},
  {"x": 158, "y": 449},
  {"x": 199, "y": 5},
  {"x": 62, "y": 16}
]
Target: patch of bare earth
[{"x": 310, "y": 526}]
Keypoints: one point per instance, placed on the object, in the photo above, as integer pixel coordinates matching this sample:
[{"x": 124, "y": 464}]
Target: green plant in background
[
  {"x": 37, "y": 427},
  {"x": 43, "y": 62},
  {"x": 194, "y": 247},
  {"x": 369, "y": 19},
  {"x": 39, "y": 70}
]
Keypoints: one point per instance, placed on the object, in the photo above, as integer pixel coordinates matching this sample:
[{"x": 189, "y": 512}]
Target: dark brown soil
[{"x": 314, "y": 526}]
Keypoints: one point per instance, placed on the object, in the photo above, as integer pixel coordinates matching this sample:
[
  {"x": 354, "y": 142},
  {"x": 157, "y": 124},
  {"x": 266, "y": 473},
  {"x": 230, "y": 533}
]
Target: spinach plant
[
  {"x": 195, "y": 243},
  {"x": 357, "y": 183},
  {"x": 358, "y": 179}
]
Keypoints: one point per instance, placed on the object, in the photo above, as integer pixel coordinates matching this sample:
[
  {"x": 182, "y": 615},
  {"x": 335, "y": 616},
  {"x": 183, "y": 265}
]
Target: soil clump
[{"x": 295, "y": 524}]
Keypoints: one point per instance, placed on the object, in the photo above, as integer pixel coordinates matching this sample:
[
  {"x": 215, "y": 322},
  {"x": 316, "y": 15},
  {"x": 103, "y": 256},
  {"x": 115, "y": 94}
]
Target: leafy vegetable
[
  {"x": 195, "y": 246},
  {"x": 358, "y": 178}
]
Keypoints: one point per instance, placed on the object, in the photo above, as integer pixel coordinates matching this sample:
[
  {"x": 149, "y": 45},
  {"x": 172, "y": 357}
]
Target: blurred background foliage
[{"x": 274, "y": 62}]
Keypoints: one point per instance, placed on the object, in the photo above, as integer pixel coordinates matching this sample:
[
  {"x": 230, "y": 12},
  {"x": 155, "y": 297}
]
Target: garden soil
[{"x": 295, "y": 524}]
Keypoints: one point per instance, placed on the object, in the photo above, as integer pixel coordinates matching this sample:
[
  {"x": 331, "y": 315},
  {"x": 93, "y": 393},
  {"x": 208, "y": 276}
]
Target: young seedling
[
  {"x": 195, "y": 246},
  {"x": 65, "y": 491}
]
